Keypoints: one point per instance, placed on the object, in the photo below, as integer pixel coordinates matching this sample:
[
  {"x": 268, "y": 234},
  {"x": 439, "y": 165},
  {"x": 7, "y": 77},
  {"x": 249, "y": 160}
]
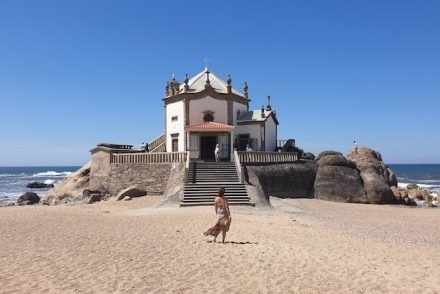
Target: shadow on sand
[{"x": 234, "y": 242}]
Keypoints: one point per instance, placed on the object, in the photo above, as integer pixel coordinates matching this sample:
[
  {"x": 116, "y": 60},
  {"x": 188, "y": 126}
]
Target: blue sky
[{"x": 76, "y": 73}]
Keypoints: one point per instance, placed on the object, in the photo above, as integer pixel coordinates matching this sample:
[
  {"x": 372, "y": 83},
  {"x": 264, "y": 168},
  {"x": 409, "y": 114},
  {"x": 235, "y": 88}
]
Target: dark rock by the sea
[
  {"x": 293, "y": 180},
  {"x": 338, "y": 179},
  {"x": 28, "y": 198},
  {"x": 376, "y": 176},
  {"x": 39, "y": 185}
]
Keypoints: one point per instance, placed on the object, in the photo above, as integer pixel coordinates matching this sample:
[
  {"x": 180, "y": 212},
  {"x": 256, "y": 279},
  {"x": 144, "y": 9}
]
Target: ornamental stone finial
[
  {"x": 246, "y": 90},
  {"x": 186, "y": 82},
  {"x": 229, "y": 81},
  {"x": 268, "y": 107}
]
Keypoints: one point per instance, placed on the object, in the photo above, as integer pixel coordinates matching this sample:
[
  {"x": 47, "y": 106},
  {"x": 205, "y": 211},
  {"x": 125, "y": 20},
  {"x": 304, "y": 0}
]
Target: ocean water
[
  {"x": 13, "y": 180},
  {"x": 424, "y": 175}
]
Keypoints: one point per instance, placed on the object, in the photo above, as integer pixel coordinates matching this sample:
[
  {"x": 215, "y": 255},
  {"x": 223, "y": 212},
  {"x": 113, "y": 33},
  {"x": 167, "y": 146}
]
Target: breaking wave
[{"x": 53, "y": 174}]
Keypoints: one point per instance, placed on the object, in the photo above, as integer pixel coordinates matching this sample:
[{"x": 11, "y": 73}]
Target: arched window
[{"x": 208, "y": 116}]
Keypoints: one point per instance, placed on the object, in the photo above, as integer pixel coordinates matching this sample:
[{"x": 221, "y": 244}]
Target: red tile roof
[{"x": 210, "y": 125}]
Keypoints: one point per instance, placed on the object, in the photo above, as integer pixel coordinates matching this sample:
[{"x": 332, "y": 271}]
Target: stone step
[{"x": 204, "y": 179}]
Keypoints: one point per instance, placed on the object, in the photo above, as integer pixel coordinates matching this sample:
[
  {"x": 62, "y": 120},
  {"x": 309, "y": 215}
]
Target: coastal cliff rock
[
  {"x": 70, "y": 189},
  {"x": 337, "y": 179},
  {"x": 290, "y": 180},
  {"x": 376, "y": 176},
  {"x": 28, "y": 198}
]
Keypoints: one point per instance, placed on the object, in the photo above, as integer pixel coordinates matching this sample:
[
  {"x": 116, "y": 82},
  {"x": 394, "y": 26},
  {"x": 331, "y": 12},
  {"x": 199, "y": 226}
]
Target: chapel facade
[{"x": 205, "y": 111}]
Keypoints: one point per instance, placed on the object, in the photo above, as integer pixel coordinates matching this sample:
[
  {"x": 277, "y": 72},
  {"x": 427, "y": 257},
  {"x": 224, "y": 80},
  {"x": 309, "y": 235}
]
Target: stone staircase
[{"x": 204, "y": 179}]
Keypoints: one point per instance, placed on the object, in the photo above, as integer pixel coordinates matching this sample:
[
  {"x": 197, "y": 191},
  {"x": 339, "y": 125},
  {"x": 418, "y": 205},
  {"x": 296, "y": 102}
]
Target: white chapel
[{"x": 205, "y": 111}]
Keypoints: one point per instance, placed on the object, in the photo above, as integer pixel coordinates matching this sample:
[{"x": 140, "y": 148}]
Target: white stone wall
[
  {"x": 271, "y": 134},
  {"x": 237, "y": 106},
  {"x": 197, "y": 107},
  {"x": 175, "y": 109},
  {"x": 254, "y": 130}
]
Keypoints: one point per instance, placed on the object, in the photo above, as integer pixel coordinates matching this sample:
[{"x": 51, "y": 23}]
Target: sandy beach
[{"x": 299, "y": 246}]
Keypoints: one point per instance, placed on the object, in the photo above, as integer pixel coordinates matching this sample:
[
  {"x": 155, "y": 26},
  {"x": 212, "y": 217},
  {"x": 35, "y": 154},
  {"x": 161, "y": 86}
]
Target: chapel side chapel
[{"x": 205, "y": 111}]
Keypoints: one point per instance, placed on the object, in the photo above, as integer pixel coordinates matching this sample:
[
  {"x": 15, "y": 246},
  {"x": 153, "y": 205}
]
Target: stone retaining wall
[{"x": 153, "y": 177}]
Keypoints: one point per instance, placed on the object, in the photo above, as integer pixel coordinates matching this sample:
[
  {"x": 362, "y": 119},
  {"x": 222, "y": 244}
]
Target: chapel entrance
[{"x": 207, "y": 147}]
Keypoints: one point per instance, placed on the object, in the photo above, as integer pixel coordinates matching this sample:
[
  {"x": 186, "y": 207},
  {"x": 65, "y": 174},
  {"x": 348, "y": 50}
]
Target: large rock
[
  {"x": 308, "y": 155},
  {"x": 412, "y": 186},
  {"x": 71, "y": 188},
  {"x": 132, "y": 191},
  {"x": 39, "y": 185},
  {"x": 338, "y": 179},
  {"x": 28, "y": 198},
  {"x": 415, "y": 194},
  {"x": 290, "y": 180},
  {"x": 375, "y": 175},
  {"x": 335, "y": 160},
  {"x": 92, "y": 198},
  {"x": 327, "y": 153}
]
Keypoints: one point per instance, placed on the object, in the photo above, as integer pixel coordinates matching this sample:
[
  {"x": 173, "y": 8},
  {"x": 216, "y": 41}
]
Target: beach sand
[{"x": 300, "y": 246}]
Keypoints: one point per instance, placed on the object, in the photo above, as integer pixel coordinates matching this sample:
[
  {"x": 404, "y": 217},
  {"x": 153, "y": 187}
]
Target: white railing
[
  {"x": 240, "y": 171},
  {"x": 156, "y": 157},
  {"x": 188, "y": 159},
  {"x": 266, "y": 157}
]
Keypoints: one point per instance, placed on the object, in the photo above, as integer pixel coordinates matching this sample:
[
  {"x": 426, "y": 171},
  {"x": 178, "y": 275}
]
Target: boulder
[
  {"x": 87, "y": 192},
  {"x": 92, "y": 198},
  {"x": 396, "y": 192},
  {"x": 392, "y": 178},
  {"x": 28, "y": 198},
  {"x": 335, "y": 160},
  {"x": 415, "y": 194},
  {"x": 38, "y": 185},
  {"x": 132, "y": 191},
  {"x": 339, "y": 183},
  {"x": 375, "y": 175},
  {"x": 289, "y": 180},
  {"x": 412, "y": 186},
  {"x": 403, "y": 193},
  {"x": 327, "y": 153},
  {"x": 308, "y": 156},
  {"x": 408, "y": 201},
  {"x": 427, "y": 200}
]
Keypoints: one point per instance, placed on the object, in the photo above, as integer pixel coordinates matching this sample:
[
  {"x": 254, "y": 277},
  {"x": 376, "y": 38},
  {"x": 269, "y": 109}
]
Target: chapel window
[{"x": 208, "y": 116}]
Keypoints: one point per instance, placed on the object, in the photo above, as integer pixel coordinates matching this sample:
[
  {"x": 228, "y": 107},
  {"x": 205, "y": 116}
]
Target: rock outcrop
[
  {"x": 132, "y": 191},
  {"x": 376, "y": 176},
  {"x": 290, "y": 180},
  {"x": 39, "y": 185},
  {"x": 337, "y": 179},
  {"x": 28, "y": 198},
  {"x": 70, "y": 189}
]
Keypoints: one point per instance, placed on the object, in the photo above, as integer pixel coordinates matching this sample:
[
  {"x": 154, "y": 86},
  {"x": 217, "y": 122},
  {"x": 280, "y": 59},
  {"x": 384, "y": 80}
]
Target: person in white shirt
[
  {"x": 248, "y": 148},
  {"x": 217, "y": 153}
]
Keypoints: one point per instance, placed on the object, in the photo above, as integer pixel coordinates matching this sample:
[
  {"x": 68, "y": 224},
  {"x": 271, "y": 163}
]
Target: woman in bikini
[{"x": 223, "y": 213}]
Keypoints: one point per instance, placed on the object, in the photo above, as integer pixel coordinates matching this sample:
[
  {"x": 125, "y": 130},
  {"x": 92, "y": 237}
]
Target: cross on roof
[{"x": 205, "y": 60}]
